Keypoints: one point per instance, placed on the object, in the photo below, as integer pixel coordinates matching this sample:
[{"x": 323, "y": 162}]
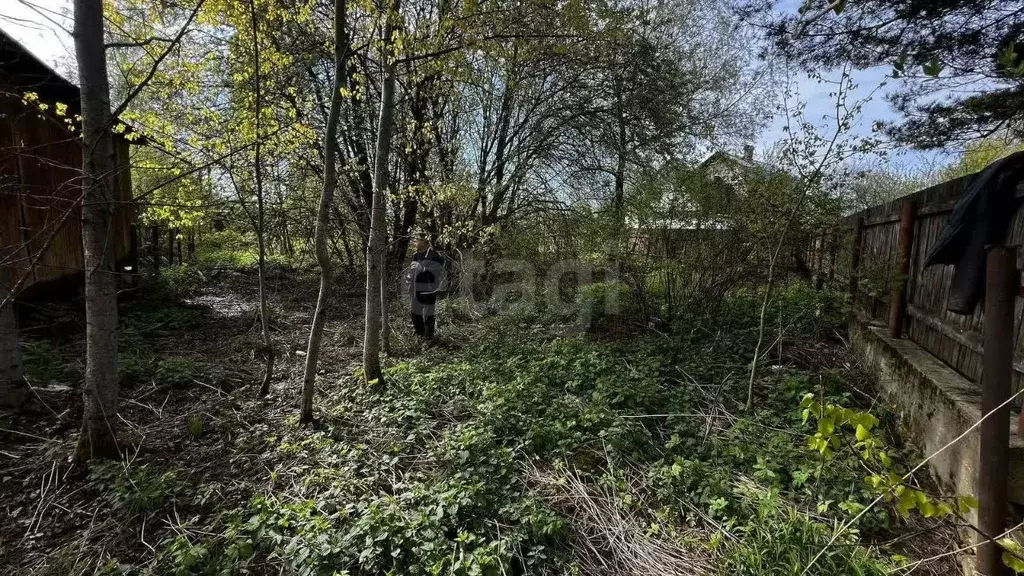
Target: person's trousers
[
  {"x": 423, "y": 323},
  {"x": 423, "y": 318}
]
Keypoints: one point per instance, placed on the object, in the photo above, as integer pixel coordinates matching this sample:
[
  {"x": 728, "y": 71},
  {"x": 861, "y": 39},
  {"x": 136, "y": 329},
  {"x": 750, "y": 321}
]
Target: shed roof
[{"x": 22, "y": 71}]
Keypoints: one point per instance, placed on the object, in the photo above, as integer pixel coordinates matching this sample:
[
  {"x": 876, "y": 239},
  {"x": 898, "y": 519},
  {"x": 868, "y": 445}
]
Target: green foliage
[
  {"x": 780, "y": 540},
  {"x": 977, "y": 155},
  {"x": 427, "y": 474},
  {"x": 228, "y": 248},
  {"x": 1013, "y": 554},
  {"x": 135, "y": 489},
  {"x": 141, "y": 367},
  {"x": 47, "y": 363},
  {"x": 195, "y": 426},
  {"x": 841, "y": 428}
]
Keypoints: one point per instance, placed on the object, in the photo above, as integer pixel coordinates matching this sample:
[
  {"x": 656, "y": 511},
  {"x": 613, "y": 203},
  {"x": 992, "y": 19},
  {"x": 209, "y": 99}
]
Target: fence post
[
  {"x": 1001, "y": 287},
  {"x": 898, "y": 298},
  {"x": 858, "y": 236}
]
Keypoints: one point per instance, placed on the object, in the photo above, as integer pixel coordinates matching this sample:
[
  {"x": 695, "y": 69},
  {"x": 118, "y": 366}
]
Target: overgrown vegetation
[
  {"x": 511, "y": 450},
  {"x": 642, "y": 367}
]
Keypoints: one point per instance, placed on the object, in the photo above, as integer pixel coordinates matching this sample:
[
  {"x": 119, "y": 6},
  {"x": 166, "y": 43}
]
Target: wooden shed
[{"x": 41, "y": 176}]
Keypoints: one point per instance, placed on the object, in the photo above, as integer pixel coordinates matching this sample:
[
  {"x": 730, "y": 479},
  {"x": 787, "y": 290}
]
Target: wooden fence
[{"x": 953, "y": 338}]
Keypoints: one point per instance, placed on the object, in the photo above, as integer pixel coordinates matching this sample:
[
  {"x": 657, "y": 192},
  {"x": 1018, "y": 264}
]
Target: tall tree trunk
[
  {"x": 375, "y": 247},
  {"x": 261, "y": 216},
  {"x": 619, "y": 198},
  {"x": 155, "y": 249},
  {"x": 98, "y": 438},
  {"x": 191, "y": 244},
  {"x": 322, "y": 214},
  {"x": 385, "y": 302},
  {"x": 171, "y": 233},
  {"x": 12, "y": 374},
  {"x": 350, "y": 259}
]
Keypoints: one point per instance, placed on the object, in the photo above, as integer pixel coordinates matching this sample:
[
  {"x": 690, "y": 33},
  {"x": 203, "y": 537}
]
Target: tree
[
  {"x": 664, "y": 78},
  {"x": 97, "y": 439},
  {"x": 977, "y": 155},
  {"x": 12, "y": 373},
  {"x": 801, "y": 191},
  {"x": 961, "y": 62},
  {"x": 375, "y": 256},
  {"x": 323, "y": 212},
  {"x": 261, "y": 213},
  {"x": 871, "y": 184}
]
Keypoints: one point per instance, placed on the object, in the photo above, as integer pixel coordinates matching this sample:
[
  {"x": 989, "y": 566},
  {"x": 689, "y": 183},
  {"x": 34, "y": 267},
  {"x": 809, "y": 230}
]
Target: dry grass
[{"x": 609, "y": 539}]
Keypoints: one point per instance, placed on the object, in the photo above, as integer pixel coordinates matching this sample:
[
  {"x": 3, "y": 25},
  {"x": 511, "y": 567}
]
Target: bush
[{"x": 228, "y": 248}]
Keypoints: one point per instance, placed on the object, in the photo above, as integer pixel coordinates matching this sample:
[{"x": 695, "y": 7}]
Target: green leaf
[
  {"x": 826, "y": 426},
  {"x": 899, "y": 68},
  {"x": 933, "y": 68},
  {"x": 908, "y": 501},
  {"x": 806, "y": 401},
  {"x": 1012, "y": 554},
  {"x": 966, "y": 503},
  {"x": 886, "y": 461},
  {"x": 862, "y": 433}
]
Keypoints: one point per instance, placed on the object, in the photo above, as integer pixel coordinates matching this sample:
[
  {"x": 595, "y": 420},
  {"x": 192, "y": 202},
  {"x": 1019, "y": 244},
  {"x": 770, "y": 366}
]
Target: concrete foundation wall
[{"x": 935, "y": 405}]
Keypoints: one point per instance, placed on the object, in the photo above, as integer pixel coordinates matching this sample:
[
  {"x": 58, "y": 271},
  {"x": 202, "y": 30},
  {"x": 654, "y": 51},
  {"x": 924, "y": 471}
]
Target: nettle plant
[{"x": 839, "y": 427}]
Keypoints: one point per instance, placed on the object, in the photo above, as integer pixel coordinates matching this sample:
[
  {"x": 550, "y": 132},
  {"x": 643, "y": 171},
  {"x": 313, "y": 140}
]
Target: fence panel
[{"x": 953, "y": 338}]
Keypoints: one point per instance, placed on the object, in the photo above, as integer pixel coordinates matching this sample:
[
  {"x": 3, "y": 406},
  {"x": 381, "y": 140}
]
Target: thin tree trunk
[
  {"x": 322, "y": 213},
  {"x": 155, "y": 249},
  {"x": 375, "y": 246},
  {"x": 619, "y": 198},
  {"x": 170, "y": 246},
  {"x": 12, "y": 374},
  {"x": 770, "y": 282},
  {"x": 191, "y": 244},
  {"x": 385, "y": 302},
  {"x": 98, "y": 436},
  {"x": 350, "y": 258},
  {"x": 261, "y": 220}
]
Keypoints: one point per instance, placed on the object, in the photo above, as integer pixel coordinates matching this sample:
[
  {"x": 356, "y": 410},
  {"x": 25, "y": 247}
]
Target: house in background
[
  {"x": 697, "y": 208},
  {"x": 730, "y": 168},
  {"x": 41, "y": 176}
]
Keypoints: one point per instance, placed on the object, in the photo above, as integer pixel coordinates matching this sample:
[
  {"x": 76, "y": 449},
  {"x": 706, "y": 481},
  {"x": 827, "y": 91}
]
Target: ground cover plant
[{"x": 505, "y": 449}]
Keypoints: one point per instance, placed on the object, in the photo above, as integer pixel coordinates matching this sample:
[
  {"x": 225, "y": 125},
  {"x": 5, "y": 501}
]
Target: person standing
[{"x": 424, "y": 278}]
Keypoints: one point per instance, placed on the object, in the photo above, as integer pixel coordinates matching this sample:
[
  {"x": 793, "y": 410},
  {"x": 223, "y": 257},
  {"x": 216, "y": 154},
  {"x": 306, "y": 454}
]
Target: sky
[{"x": 43, "y": 26}]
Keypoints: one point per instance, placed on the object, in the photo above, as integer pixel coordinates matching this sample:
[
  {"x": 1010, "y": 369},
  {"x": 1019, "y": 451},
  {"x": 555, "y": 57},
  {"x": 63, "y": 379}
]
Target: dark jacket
[
  {"x": 425, "y": 276},
  {"x": 980, "y": 218}
]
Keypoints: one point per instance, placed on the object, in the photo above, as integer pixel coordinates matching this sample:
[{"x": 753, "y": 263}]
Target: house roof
[
  {"x": 727, "y": 157},
  {"x": 22, "y": 71}
]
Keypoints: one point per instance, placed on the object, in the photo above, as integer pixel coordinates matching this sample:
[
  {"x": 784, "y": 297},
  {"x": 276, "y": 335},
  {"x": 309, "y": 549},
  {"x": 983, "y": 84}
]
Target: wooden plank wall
[
  {"x": 953, "y": 338},
  {"x": 40, "y": 198}
]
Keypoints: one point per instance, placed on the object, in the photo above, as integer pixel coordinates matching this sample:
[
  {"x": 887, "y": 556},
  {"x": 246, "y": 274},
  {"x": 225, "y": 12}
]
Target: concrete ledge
[{"x": 935, "y": 405}]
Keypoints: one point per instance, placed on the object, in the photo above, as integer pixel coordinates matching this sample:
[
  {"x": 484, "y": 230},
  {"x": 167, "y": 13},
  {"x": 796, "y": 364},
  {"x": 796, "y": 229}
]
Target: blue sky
[
  {"x": 39, "y": 29},
  {"x": 872, "y": 86}
]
